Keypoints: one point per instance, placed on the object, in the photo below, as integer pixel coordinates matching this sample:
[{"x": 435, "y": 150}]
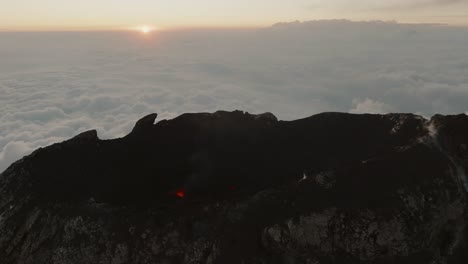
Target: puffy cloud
[
  {"x": 369, "y": 106},
  {"x": 56, "y": 85},
  {"x": 42, "y": 115}
]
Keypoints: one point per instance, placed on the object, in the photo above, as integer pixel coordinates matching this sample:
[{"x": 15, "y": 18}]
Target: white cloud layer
[
  {"x": 56, "y": 85},
  {"x": 369, "y": 106}
]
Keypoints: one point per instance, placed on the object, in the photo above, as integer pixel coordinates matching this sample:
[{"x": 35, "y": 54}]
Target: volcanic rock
[{"x": 232, "y": 187}]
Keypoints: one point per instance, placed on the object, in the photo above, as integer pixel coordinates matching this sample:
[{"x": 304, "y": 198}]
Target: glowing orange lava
[{"x": 180, "y": 193}]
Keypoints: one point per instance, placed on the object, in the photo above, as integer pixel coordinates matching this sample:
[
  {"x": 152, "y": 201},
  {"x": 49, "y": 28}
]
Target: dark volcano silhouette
[{"x": 232, "y": 187}]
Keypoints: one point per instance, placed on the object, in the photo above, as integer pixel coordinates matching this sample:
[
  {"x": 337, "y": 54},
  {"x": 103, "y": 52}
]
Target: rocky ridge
[{"x": 232, "y": 187}]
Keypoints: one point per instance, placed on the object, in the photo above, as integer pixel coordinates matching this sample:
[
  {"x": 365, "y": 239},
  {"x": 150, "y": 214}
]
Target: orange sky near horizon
[{"x": 44, "y": 15}]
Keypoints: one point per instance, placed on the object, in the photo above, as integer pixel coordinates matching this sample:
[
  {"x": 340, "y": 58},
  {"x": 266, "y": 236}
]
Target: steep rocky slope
[{"x": 231, "y": 187}]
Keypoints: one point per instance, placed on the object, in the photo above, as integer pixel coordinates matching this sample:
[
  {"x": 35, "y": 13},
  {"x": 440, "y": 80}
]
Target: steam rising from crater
[{"x": 457, "y": 170}]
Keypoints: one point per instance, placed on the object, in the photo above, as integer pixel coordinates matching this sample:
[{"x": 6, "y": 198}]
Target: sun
[{"x": 146, "y": 29}]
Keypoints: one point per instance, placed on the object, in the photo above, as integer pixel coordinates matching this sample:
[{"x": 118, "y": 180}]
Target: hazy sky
[{"x": 116, "y": 14}]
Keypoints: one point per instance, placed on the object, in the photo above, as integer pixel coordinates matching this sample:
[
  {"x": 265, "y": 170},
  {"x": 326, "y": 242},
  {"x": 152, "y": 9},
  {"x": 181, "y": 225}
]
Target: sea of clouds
[{"x": 56, "y": 85}]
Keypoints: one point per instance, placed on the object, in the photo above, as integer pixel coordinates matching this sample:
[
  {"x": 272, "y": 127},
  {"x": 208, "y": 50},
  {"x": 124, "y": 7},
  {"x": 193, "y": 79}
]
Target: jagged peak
[
  {"x": 144, "y": 123},
  {"x": 227, "y": 115},
  {"x": 266, "y": 116},
  {"x": 87, "y": 135}
]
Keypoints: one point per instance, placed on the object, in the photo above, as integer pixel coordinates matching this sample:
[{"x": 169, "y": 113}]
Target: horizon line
[{"x": 113, "y": 28}]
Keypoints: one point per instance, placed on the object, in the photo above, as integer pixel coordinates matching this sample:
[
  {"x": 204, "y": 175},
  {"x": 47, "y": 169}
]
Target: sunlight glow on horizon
[
  {"x": 63, "y": 15},
  {"x": 146, "y": 29}
]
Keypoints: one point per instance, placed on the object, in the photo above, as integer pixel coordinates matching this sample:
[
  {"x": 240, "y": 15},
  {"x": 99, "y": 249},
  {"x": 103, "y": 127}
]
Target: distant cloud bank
[{"x": 56, "y": 85}]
